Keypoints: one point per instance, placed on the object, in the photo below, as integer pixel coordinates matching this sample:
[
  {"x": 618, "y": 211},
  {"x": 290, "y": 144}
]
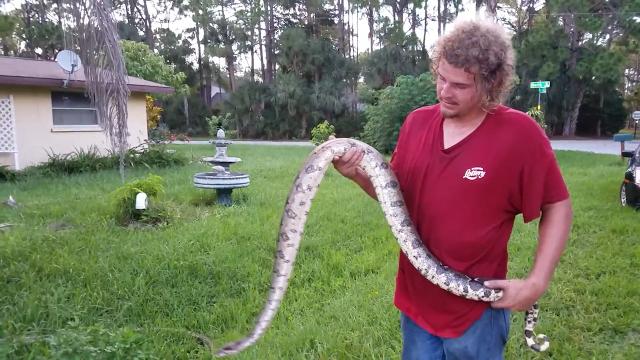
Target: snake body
[{"x": 391, "y": 201}]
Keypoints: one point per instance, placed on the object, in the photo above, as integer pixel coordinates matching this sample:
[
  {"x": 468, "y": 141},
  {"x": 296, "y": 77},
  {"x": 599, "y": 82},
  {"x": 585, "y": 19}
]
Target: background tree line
[{"x": 287, "y": 65}]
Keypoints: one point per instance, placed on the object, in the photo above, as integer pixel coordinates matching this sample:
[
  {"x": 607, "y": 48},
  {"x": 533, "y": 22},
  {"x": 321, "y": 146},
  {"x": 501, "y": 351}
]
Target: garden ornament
[{"x": 11, "y": 202}]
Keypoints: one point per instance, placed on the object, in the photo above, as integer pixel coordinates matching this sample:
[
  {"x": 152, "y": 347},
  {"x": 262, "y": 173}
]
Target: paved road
[
  {"x": 595, "y": 146},
  {"x": 254, "y": 142}
]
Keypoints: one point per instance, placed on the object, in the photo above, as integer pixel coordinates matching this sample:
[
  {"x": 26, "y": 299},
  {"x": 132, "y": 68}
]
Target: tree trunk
[
  {"x": 59, "y": 14},
  {"x": 262, "y": 70},
  {"x": 439, "y": 19},
  {"x": 445, "y": 15},
  {"x": 228, "y": 51},
  {"x": 231, "y": 69},
  {"x": 208, "y": 74},
  {"x": 573, "y": 108},
  {"x": 347, "y": 35},
  {"x": 354, "y": 33},
  {"x": 371, "y": 25},
  {"x": 531, "y": 13},
  {"x": 127, "y": 12},
  {"x": 131, "y": 17},
  {"x": 186, "y": 110},
  {"x": 268, "y": 21},
  {"x": 28, "y": 7},
  {"x": 253, "y": 51},
  {"x": 148, "y": 30},
  {"x": 200, "y": 69},
  {"x": 341, "y": 37},
  {"x": 273, "y": 35},
  {"x": 492, "y": 6},
  {"x": 42, "y": 12},
  {"x": 576, "y": 87},
  {"x": 414, "y": 20},
  {"x": 599, "y": 124},
  {"x": 303, "y": 125}
]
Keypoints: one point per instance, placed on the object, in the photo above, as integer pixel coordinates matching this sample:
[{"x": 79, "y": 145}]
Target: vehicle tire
[{"x": 623, "y": 195}]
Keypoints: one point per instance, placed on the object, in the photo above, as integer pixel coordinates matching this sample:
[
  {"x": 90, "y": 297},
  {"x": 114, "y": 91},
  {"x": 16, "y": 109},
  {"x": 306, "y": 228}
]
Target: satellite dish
[{"x": 68, "y": 61}]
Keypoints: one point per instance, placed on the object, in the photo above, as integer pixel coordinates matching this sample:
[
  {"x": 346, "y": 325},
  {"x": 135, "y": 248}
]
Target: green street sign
[
  {"x": 542, "y": 90},
  {"x": 540, "y": 84}
]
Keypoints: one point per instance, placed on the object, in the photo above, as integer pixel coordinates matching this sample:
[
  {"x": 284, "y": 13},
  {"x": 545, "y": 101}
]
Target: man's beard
[{"x": 449, "y": 114}]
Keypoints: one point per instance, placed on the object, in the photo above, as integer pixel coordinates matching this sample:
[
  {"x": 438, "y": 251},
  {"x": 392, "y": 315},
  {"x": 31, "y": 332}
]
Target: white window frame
[{"x": 73, "y": 128}]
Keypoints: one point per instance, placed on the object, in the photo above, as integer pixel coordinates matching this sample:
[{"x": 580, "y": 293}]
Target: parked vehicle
[{"x": 630, "y": 188}]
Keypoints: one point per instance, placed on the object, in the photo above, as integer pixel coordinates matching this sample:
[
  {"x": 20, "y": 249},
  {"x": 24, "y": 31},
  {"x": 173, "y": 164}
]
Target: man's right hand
[{"x": 348, "y": 164}]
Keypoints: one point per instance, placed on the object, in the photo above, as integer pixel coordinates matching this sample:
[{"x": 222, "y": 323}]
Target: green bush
[
  {"x": 393, "y": 105},
  {"x": 538, "y": 116},
  {"x": 124, "y": 198},
  {"x": 7, "y": 174},
  {"x": 149, "y": 156},
  {"x": 90, "y": 160},
  {"x": 224, "y": 121},
  {"x": 78, "y": 161},
  {"x": 159, "y": 135},
  {"x": 321, "y": 132}
]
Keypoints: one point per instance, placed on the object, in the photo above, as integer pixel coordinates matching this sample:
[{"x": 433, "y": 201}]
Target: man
[{"x": 467, "y": 166}]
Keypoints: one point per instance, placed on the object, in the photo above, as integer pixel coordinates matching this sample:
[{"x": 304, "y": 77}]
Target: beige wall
[{"x": 36, "y": 134}]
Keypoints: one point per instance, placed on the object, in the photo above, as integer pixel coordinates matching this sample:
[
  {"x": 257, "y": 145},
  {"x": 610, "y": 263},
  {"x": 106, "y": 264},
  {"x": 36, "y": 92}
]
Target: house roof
[{"x": 23, "y": 71}]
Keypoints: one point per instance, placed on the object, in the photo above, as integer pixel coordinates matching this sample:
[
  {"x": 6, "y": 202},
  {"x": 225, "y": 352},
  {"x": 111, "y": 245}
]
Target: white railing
[{"x": 8, "y": 143}]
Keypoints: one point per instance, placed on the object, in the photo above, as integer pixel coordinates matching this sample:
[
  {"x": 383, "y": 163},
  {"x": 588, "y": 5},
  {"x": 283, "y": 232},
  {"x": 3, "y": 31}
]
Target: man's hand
[
  {"x": 347, "y": 164},
  {"x": 518, "y": 294},
  {"x": 554, "y": 227}
]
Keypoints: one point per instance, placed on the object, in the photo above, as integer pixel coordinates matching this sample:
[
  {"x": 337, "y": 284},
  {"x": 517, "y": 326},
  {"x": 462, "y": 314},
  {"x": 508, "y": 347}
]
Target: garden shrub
[
  {"x": 124, "y": 199},
  {"x": 159, "y": 134},
  {"x": 394, "y": 103},
  {"x": 152, "y": 156},
  {"x": 91, "y": 160},
  {"x": 78, "y": 161},
  {"x": 153, "y": 112},
  {"x": 7, "y": 174},
  {"x": 224, "y": 121},
  {"x": 321, "y": 132},
  {"x": 537, "y": 115}
]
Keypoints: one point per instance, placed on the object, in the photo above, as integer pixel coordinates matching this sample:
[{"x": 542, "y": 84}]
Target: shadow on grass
[{"x": 210, "y": 198}]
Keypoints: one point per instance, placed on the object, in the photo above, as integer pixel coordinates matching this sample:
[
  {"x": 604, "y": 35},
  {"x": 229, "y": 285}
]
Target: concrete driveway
[
  {"x": 252, "y": 142},
  {"x": 594, "y": 146}
]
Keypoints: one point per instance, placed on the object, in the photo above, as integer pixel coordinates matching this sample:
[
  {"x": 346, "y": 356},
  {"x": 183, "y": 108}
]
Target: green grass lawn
[{"x": 75, "y": 285}]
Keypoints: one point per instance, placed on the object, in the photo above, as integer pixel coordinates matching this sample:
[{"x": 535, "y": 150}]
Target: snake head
[{"x": 230, "y": 349}]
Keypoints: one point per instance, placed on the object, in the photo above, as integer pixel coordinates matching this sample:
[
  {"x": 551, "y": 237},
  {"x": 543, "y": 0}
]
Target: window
[{"x": 73, "y": 109}]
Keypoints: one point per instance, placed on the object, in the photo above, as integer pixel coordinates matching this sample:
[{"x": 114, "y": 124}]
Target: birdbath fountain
[{"x": 221, "y": 178}]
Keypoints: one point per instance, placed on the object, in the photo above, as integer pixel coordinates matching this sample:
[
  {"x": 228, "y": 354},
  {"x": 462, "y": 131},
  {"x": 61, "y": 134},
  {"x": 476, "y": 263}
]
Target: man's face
[{"x": 457, "y": 91}]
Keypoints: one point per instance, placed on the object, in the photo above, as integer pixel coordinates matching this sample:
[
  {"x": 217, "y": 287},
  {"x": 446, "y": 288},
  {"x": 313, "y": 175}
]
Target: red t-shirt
[{"x": 463, "y": 201}]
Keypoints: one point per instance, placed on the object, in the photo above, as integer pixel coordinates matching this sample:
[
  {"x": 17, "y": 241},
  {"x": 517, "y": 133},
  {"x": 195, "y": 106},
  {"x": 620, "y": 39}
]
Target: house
[
  {"x": 218, "y": 95},
  {"x": 42, "y": 113}
]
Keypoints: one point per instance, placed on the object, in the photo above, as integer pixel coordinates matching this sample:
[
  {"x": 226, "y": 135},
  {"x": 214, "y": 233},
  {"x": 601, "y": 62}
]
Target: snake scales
[{"x": 390, "y": 198}]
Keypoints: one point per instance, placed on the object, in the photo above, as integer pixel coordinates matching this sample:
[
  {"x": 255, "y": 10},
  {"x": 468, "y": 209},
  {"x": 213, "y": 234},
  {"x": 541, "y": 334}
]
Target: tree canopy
[{"x": 281, "y": 67}]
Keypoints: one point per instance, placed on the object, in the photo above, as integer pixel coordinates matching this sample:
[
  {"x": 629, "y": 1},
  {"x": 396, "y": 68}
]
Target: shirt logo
[{"x": 474, "y": 173}]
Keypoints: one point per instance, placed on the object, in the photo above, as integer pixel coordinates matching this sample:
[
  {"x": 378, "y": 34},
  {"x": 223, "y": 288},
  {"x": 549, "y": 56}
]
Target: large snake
[{"x": 390, "y": 198}]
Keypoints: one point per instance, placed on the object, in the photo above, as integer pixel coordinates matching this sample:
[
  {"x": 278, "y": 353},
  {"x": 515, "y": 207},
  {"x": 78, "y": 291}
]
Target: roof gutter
[{"x": 47, "y": 82}]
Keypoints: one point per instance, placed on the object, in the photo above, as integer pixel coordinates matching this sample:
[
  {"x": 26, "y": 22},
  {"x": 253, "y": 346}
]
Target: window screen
[{"x": 71, "y": 108}]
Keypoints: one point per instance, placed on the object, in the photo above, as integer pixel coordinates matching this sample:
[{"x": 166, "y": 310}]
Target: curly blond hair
[{"x": 482, "y": 48}]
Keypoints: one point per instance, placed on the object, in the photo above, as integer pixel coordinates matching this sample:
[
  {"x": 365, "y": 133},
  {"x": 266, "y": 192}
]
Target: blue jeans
[{"x": 484, "y": 340}]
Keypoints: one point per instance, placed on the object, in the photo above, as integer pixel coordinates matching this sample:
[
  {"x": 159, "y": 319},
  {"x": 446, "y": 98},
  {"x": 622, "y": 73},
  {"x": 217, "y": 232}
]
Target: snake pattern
[{"x": 391, "y": 201}]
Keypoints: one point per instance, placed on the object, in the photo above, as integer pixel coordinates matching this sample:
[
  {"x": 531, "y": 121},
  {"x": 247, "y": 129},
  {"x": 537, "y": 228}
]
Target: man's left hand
[{"x": 518, "y": 294}]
